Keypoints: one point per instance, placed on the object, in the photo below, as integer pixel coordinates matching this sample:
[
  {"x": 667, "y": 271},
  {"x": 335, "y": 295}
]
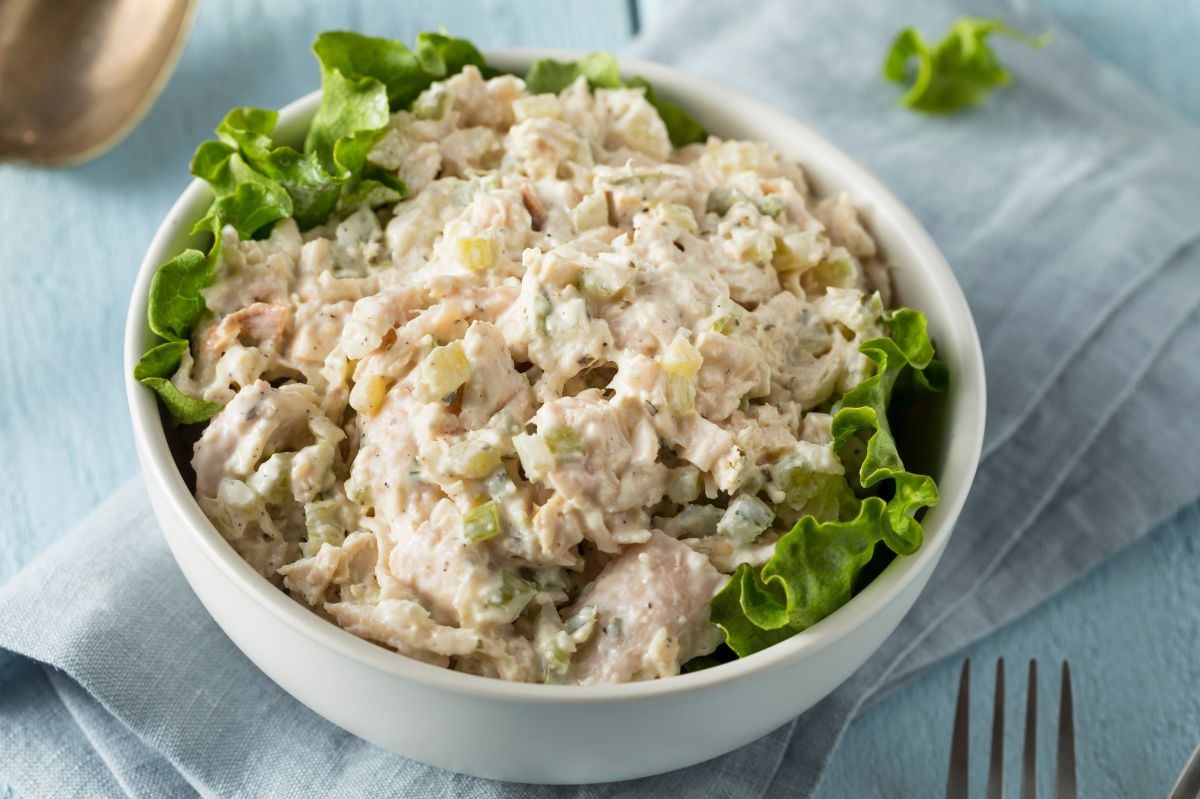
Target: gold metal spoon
[{"x": 77, "y": 75}]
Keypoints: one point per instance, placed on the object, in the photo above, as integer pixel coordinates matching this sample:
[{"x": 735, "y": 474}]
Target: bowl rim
[{"x": 963, "y": 453}]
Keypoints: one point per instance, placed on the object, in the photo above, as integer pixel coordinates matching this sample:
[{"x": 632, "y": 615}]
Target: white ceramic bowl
[{"x": 569, "y": 734}]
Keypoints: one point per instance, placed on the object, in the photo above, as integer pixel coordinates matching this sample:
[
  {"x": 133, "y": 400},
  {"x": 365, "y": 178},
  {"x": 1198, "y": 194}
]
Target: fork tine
[
  {"x": 1029, "y": 760},
  {"x": 995, "y": 788},
  {"x": 956, "y": 779},
  {"x": 1065, "y": 770}
]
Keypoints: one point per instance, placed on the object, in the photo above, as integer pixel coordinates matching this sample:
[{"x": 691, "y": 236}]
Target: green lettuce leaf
[
  {"x": 403, "y": 73},
  {"x": 249, "y": 209},
  {"x": 175, "y": 300},
  {"x": 174, "y": 303},
  {"x": 865, "y": 407},
  {"x": 182, "y": 408},
  {"x": 442, "y": 56},
  {"x": 313, "y": 191},
  {"x": 244, "y": 197},
  {"x": 815, "y": 565},
  {"x": 154, "y": 370},
  {"x": 363, "y": 80},
  {"x": 160, "y": 361},
  {"x": 549, "y": 76},
  {"x": 960, "y": 71},
  {"x": 811, "y": 575},
  {"x": 351, "y": 108}
]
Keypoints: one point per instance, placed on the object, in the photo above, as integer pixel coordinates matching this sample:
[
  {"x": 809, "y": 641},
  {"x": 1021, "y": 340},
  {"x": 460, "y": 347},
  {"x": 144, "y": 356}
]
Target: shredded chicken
[{"x": 516, "y": 424}]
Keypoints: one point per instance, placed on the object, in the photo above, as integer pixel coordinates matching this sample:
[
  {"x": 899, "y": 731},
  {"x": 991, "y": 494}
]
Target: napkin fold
[{"x": 1067, "y": 207}]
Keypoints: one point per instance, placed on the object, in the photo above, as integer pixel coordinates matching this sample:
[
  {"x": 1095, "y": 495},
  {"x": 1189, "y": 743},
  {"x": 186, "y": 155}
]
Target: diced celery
[
  {"x": 720, "y": 200},
  {"x": 799, "y": 484},
  {"x": 565, "y": 444},
  {"x": 513, "y": 594},
  {"x": 745, "y": 519},
  {"x": 681, "y": 394},
  {"x": 553, "y": 644},
  {"x": 481, "y": 523},
  {"x": 272, "y": 480},
  {"x": 541, "y": 314},
  {"x": 758, "y": 247},
  {"x": 551, "y": 580},
  {"x": 535, "y": 454},
  {"x": 359, "y": 494},
  {"x": 682, "y": 358},
  {"x": 805, "y": 472},
  {"x": 323, "y": 521},
  {"x": 729, "y": 316},
  {"x": 505, "y": 422},
  {"x": 539, "y": 105},
  {"x": 684, "y": 485},
  {"x": 771, "y": 205},
  {"x": 837, "y": 271},
  {"x": 591, "y": 212},
  {"x": 732, "y": 157},
  {"x": 581, "y": 624},
  {"x": 236, "y": 494},
  {"x": 679, "y": 215},
  {"x": 445, "y": 369},
  {"x": 796, "y": 252},
  {"x": 640, "y": 127},
  {"x": 694, "y": 521},
  {"x": 613, "y": 628},
  {"x": 476, "y": 252},
  {"x": 472, "y": 459},
  {"x": 432, "y": 103},
  {"x": 498, "y": 485},
  {"x": 598, "y": 286},
  {"x": 638, "y": 177}
]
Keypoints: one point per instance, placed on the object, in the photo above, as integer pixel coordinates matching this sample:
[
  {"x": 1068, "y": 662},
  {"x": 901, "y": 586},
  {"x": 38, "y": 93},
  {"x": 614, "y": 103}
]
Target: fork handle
[{"x": 1188, "y": 784}]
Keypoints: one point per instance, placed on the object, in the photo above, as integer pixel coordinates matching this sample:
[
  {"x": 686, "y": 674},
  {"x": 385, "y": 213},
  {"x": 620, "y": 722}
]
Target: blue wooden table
[{"x": 71, "y": 240}]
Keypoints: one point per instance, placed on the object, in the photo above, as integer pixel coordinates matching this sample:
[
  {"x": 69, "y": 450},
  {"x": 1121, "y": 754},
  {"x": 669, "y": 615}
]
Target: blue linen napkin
[{"x": 1068, "y": 208}]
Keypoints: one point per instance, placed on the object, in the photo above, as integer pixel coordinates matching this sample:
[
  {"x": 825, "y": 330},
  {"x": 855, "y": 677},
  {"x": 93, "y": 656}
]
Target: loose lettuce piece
[
  {"x": 814, "y": 567},
  {"x": 960, "y": 71},
  {"x": 601, "y": 71}
]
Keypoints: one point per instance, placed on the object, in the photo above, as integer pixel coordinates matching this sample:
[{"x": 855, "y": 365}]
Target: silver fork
[{"x": 957, "y": 781}]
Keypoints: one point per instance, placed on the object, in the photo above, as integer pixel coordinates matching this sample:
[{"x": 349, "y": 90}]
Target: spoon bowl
[{"x": 77, "y": 75}]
